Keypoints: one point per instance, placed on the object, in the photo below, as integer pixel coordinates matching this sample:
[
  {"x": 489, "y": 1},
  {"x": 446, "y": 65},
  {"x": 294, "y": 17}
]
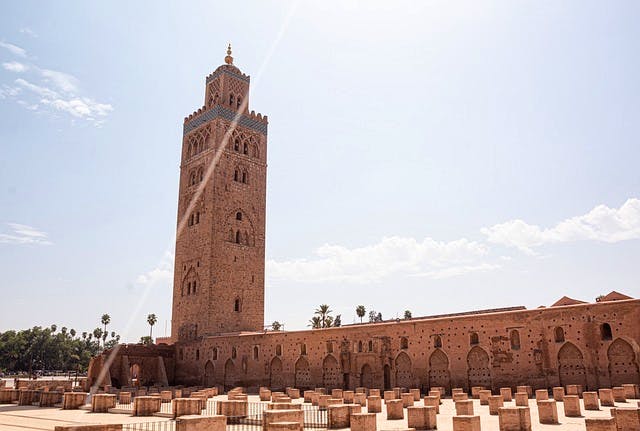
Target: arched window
[
  {"x": 236, "y": 144},
  {"x": 236, "y": 175},
  {"x": 515, "y": 340},
  {"x": 605, "y": 331},
  {"x": 197, "y": 217},
  {"x": 238, "y": 237},
  {"x": 234, "y": 353},
  {"x": 189, "y": 288},
  {"x": 244, "y": 177},
  {"x": 214, "y": 354},
  {"x": 559, "y": 334},
  {"x": 329, "y": 347},
  {"x": 239, "y": 102},
  {"x": 194, "y": 287},
  {"x": 245, "y": 150},
  {"x": 404, "y": 343},
  {"x": 437, "y": 342},
  {"x": 239, "y": 216},
  {"x": 359, "y": 346},
  {"x": 473, "y": 338},
  {"x": 200, "y": 175},
  {"x": 191, "y": 218},
  {"x": 231, "y": 99},
  {"x": 303, "y": 349},
  {"x": 279, "y": 350},
  {"x": 370, "y": 346},
  {"x": 236, "y": 304},
  {"x": 197, "y": 354},
  {"x": 255, "y": 352}
]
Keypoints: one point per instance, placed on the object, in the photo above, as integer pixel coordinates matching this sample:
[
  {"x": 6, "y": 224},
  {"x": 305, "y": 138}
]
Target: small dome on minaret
[{"x": 228, "y": 59}]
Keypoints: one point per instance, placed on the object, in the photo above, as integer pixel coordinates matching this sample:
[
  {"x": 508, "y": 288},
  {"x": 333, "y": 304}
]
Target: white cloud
[
  {"x": 14, "y": 49},
  {"x": 161, "y": 274},
  {"x": 24, "y": 234},
  {"x": 39, "y": 90},
  {"x": 63, "y": 81},
  {"x": 28, "y": 31},
  {"x": 15, "y": 66},
  {"x": 7, "y": 91},
  {"x": 602, "y": 224},
  {"x": 391, "y": 256}
]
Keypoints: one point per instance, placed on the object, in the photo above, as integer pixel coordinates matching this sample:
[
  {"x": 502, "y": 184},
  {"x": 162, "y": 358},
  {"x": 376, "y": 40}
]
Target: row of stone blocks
[{"x": 186, "y": 423}]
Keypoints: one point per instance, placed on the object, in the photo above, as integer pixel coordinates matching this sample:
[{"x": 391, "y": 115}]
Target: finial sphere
[{"x": 228, "y": 59}]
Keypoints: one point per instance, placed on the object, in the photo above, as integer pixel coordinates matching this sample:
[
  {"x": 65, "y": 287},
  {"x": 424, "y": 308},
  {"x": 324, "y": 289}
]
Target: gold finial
[{"x": 228, "y": 59}]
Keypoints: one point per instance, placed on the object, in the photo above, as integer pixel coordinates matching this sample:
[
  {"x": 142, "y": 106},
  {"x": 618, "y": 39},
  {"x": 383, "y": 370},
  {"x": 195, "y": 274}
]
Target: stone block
[
  {"x": 270, "y": 417},
  {"x": 89, "y": 427},
  {"x": 166, "y": 396},
  {"x": 27, "y": 397},
  {"x": 293, "y": 393},
  {"x": 374, "y": 392},
  {"x": 422, "y": 418},
  {"x": 590, "y": 401},
  {"x": 323, "y": 401},
  {"x": 347, "y": 396},
  {"x": 542, "y": 394},
  {"x": 363, "y": 422},
  {"x": 361, "y": 390},
  {"x": 336, "y": 393},
  {"x": 558, "y": 393},
  {"x": 360, "y": 398},
  {"x": 354, "y": 408},
  {"x": 49, "y": 399},
  {"x": 284, "y": 426},
  {"x": 146, "y": 405},
  {"x": 514, "y": 419},
  {"x": 475, "y": 392},
  {"x": 278, "y": 399},
  {"x": 464, "y": 408},
  {"x": 397, "y": 392},
  {"x": 101, "y": 403},
  {"x": 73, "y": 400},
  {"x": 441, "y": 389},
  {"x": 315, "y": 398},
  {"x": 600, "y": 424},
  {"x": 572, "y": 406},
  {"x": 606, "y": 397},
  {"x": 547, "y": 412},
  {"x": 432, "y": 401},
  {"x": 232, "y": 408},
  {"x": 525, "y": 388},
  {"x": 334, "y": 401},
  {"x": 389, "y": 395},
  {"x": 395, "y": 410},
  {"x": 619, "y": 395},
  {"x": 283, "y": 406},
  {"x": 407, "y": 399},
  {"x": 416, "y": 394},
  {"x": 460, "y": 396},
  {"x": 265, "y": 395},
  {"x": 307, "y": 396},
  {"x": 186, "y": 407},
  {"x": 436, "y": 394},
  {"x": 484, "y": 397},
  {"x": 124, "y": 398},
  {"x": 277, "y": 394},
  {"x": 495, "y": 402},
  {"x": 631, "y": 390},
  {"x": 574, "y": 390},
  {"x": 506, "y": 394},
  {"x": 457, "y": 391},
  {"x": 322, "y": 391},
  {"x": 374, "y": 404},
  {"x": 5, "y": 396},
  {"x": 198, "y": 423},
  {"x": 338, "y": 416},
  {"x": 627, "y": 418},
  {"x": 466, "y": 423}
]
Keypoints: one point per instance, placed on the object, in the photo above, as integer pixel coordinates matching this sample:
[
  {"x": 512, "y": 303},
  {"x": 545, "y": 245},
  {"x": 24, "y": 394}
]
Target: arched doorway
[
  {"x": 275, "y": 373},
  {"x": 571, "y": 369},
  {"x": 209, "y": 379},
  {"x": 366, "y": 376},
  {"x": 404, "y": 376},
  {"x": 331, "y": 373},
  {"x": 230, "y": 376},
  {"x": 623, "y": 368},
  {"x": 135, "y": 371},
  {"x": 439, "y": 370},
  {"x": 303, "y": 374},
  {"x": 478, "y": 370},
  {"x": 387, "y": 377}
]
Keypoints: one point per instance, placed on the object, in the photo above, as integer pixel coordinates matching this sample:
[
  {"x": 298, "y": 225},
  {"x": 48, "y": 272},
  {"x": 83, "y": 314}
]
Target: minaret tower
[{"x": 219, "y": 258}]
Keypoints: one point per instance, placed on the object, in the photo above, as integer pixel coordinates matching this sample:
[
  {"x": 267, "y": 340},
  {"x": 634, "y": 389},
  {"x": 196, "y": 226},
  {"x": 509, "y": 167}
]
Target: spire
[{"x": 228, "y": 59}]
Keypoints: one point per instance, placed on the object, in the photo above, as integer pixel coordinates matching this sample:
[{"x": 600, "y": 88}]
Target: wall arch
[
  {"x": 439, "y": 374},
  {"x": 209, "y": 378},
  {"x": 366, "y": 376},
  {"x": 478, "y": 369},
  {"x": 404, "y": 376},
  {"x": 571, "y": 370},
  {"x": 230, "y": 375},
  {"x": 303, "y": 374},
  {"x": 331, "y": 373},
  {"x": 623, "y": 367},
  {"x": 275, "y": 374}
]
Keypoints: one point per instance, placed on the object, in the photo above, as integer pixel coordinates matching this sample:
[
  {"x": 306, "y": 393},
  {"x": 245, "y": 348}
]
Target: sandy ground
[{"x": 13, "y": 417}]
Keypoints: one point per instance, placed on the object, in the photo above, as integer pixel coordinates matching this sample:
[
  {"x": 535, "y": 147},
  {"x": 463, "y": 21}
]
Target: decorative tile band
[
  {"x": 227, "y": 114},
  {"x": 217, "y": 73}
]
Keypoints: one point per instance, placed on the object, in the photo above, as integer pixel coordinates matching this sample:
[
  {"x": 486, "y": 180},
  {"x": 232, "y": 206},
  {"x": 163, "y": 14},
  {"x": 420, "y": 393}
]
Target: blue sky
[{"x": 431, "y": 156}]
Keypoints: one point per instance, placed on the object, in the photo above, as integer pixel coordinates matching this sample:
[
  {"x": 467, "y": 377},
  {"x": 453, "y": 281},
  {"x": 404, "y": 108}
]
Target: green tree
[
  {"x": 315, "y": 322},
  {"x": 323, "y": 313},
  {"x": 151, "y": 320},
  {"x": 407, "y": 314},
  {"x": 337, "y": 321},
  {"x": 276, "y": 325},
  {"x": 105, "y": 319},
  {"x": 146, "y": 340},
  {"x": 360, "y": 311},
  {"x": 72, "y": 332}
]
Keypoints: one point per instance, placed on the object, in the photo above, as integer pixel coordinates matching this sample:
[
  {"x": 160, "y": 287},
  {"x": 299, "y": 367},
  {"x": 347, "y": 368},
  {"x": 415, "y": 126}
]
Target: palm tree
[
  {"x": 315, "y": 322},
  {"x": 151, "y": 320},
  {"x": 323, "y": 313},
  {"x": 106, "y": 319},
  {"x": 72, "y": 332},
  {"x": 276, "y": 325},
  {"x": 361, "y": 311},
  {"x": 407, "y": 314}
]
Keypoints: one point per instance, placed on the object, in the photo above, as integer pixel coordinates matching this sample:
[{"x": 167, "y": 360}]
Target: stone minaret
[{"x": 218, "y": 282}]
